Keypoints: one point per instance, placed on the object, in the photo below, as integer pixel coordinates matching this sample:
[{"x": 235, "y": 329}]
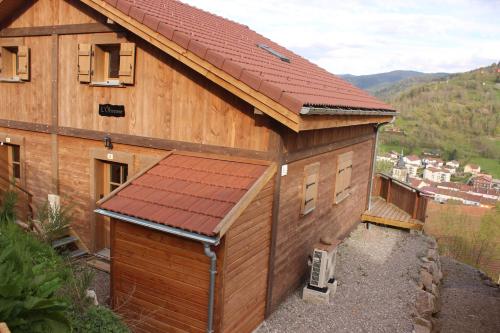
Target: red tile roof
[
  {"x": 232, "y": 47},
  {"x": 193, "y": 193}
]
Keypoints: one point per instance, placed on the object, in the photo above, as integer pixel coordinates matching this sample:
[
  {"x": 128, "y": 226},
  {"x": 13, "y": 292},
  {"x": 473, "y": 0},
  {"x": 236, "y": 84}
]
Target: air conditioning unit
[{"x": 323, "y": 265}]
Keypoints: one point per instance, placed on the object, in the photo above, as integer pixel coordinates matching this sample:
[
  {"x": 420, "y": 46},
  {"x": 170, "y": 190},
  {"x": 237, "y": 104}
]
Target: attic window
[
  {"x": 274, "y": 53},
  {"x": 14, "y": 63},
  {"x": 106, "y": 64}
]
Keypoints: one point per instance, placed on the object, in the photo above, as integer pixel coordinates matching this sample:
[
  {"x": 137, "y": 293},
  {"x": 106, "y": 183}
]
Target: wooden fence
[
  {"x": 403, "y": 196},
  {"x": 24, "y": 208}
]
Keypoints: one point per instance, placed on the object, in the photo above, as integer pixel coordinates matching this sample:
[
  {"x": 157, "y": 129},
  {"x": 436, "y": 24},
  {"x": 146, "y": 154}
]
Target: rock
[
  {"x": 432, "y": 255},
  {"x": 425, "y": 304},
  {"x": 426, "y": 279},
  {"x": 435, "y": 290},
  {"x": 436, "y": 325},
  {"x": 421, "y": 325},
  {"x": 93, "y": 296}
]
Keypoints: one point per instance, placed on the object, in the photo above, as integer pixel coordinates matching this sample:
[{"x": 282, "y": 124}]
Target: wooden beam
[
  {"x": 213, "y": 73},
  {"x": 313, "y": 122},
  {"x": 67, "y": 29},
  {"x": 309, "y": 152},
  {"x": 164, "y": 144},
  {"x": 274, "y": 225},
  {"x": 395, "y": 223},
  {"x": 25, "y": 126},
  {"x": 55, "y": 113},
  {"x": 246, "y": 200},
  {"x": 139, "y": 141}
]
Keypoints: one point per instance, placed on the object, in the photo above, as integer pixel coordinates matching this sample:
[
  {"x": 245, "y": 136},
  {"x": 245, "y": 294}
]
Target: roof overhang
[
  {"x": 345, "y": 112},
  {"x": 160, "y": 227},
  {"x": 267, "y": 170}
]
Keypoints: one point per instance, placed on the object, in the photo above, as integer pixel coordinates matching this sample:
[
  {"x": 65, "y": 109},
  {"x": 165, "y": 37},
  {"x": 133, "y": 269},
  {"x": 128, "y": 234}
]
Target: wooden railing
[
  {"x": 24, "y": 208},
  {"x": 402, "y": 195}
]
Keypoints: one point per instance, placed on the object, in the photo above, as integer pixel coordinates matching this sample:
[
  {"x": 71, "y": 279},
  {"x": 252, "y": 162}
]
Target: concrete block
[
  {"x": 332, "y": 287},
  {"x": 316, "y": 296}
]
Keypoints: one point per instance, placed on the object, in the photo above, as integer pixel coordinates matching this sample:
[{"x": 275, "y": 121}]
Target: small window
[
  {"x": 16, "y": 161},
  {"x": 343, "y": 177},
  {"x": 14, "y": 63},
  {"x": 106, "y": 64},
  {"x": 118, "y": 174},
  {"x": 310, "y": 188},
  {"x": 10, "y": 161}
]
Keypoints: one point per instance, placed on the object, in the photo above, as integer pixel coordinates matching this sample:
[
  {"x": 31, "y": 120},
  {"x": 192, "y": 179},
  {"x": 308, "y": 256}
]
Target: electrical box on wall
[{"x": 284, "y": 170}]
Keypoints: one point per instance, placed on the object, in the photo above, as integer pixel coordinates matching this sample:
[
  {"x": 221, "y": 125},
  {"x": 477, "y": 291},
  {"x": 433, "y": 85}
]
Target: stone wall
[{"x": 427, "y": 303}]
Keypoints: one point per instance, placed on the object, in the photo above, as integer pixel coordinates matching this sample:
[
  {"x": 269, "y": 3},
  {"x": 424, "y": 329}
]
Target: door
[{"x": 109, "y": 176}]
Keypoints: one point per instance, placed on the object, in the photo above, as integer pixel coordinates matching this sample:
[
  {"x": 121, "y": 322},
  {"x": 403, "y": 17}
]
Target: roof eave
[
  {"x": 306, "y": 110},
  {"x": 160, "y": 227}
]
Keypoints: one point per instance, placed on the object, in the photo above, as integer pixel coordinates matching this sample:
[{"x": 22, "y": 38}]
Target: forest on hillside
[{"x": 458, "y": 115}]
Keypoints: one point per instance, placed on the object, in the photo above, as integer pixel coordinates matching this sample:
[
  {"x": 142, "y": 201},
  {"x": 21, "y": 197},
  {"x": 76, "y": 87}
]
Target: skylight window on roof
[{"x": 274, "y": 52}]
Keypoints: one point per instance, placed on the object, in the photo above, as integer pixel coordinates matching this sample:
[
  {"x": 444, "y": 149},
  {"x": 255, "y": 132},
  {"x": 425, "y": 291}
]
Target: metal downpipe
[{"x": 211, "y": 293}]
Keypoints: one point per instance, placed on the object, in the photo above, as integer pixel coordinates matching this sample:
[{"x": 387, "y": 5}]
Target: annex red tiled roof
[
  {"x": 233, "y": 48},
  {"x": 187, "y": 192}
]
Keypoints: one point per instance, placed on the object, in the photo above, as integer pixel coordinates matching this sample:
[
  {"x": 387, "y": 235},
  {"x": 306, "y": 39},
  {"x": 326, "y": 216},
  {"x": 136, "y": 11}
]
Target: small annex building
[
  {"x": 203, "y": 161},
  {"x": 164, "y": 224}
]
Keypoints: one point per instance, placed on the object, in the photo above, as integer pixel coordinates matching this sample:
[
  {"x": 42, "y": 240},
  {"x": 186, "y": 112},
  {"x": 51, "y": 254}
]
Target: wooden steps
[
  {"x": 69, "y": 244},
  {"x": 385, "y": 213}
]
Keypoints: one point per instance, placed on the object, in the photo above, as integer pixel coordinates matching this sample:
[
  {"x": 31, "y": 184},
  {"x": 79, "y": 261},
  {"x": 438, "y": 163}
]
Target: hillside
[
  {"x": 458, "y": 115},
  {"x": 376, "y": 83}
]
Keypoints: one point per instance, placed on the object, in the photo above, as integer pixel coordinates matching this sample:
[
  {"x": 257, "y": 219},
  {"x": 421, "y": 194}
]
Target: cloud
[{"x": 372, "y": 36}]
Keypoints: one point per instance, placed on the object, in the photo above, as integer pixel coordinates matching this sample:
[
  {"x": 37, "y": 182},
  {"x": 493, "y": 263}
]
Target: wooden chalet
[{"x": 214, "y": 157}]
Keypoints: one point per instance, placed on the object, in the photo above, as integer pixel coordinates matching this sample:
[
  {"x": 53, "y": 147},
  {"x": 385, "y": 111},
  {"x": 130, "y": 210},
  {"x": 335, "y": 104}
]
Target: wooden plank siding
[
  {"x": 160, "y": 282},
  {"x": 168, "y": 100},
  {"x": 246, "y": 265},
  {"x": 296, "y": 234}
]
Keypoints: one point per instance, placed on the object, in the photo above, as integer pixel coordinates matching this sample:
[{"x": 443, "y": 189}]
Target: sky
[{"x": 375, "y": 36}]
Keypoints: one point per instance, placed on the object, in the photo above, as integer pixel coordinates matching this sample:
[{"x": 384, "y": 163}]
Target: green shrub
[
  {"x": 31, "y": 274},
  {"x": 98, "y": 319},
  {"x": 53, "y": 220},
  {"x": 7, "y": 209}
]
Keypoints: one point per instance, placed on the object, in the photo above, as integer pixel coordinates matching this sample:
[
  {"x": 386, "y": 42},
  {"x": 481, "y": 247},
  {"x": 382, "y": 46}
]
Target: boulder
[
  {"x": 421, "y": 325},
  {"x": 425, "y": 304},
  {"x": 426, "y": 279},
  {"x": 432, "y": 254}
]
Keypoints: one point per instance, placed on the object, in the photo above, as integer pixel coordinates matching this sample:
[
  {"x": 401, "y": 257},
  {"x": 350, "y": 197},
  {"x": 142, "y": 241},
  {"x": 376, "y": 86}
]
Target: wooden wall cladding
[
  {"x": 167, "y": 101},
  {"x": 296, "y": 234},
  {"x": 30, "y": 101},
  {"x": 160, "y": 282},
  {"x": 35, "y": 163},
  {"x": 308, "y": 139},
  {"x": 246, "y": 265},
  {"x": 53, "y": 12},
  {"x": 74, "y": 176}
]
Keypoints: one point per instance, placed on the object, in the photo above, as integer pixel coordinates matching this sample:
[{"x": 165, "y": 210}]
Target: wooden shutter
[
  {"x": 23, "y": 63},
  {"x": 84, "y": 63},
  {"x": 343, "y": 176},
  {"x": 310, "y": 188},
  {"x": 127, "y": 63}
]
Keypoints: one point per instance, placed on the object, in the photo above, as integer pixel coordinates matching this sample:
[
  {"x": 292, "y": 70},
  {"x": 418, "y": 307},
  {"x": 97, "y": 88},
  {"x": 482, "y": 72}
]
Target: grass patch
[{"x": 488, "y": 165}]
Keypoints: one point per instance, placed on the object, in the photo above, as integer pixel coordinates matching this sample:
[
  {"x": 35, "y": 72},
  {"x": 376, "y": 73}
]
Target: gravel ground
[
  {"x": 101, "y": 286},
  {"x": 377, "y": 270},
  {"x": 469, "y": 305}
]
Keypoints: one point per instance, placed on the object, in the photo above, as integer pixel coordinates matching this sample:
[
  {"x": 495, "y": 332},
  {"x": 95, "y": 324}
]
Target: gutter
[
  {"x": 346, "y": 112},
  {"x": 205, "y": 240}
]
